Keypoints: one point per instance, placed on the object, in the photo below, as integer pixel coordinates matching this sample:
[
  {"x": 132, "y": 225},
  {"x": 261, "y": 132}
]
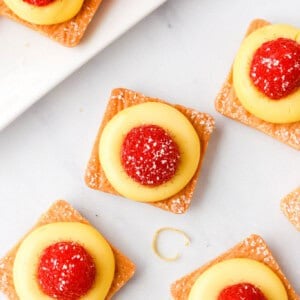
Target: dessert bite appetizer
[
  {"x": 290, "y": 206},
  {"x": 263, "y": 87},
  {"x": 149, "y": 151},
  {"x": 62, "y": 20},
  {"x": 248, "y": 271},
  {"x": 63, "y": 257}
]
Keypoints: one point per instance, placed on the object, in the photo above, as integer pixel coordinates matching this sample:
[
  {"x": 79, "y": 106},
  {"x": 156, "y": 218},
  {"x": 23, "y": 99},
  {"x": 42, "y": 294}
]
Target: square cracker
[
  {"x": 62, "y": 211},
  {"x": 290, "y": 206},
  {"x": 122, "y": 98},
  {"x": 229, "y": 105},
  {"x": 68, "y": 33},
  {"x": 253, "y": 247}
]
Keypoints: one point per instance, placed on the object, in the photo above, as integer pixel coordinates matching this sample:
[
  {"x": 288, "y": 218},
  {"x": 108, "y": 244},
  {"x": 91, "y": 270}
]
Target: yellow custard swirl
[{"x": 55, "y": 12}]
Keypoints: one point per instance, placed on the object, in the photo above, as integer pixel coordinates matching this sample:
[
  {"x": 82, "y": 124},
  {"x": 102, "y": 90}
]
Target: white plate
[{"x": 31, "y": 64}]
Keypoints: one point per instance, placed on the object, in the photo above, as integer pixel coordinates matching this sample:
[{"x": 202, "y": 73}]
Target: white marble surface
[{"x": 181, "y": 53}]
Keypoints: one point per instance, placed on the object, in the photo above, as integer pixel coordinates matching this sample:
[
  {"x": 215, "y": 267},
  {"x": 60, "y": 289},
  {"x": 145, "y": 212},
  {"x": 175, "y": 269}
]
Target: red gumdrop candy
[
  {"x": 242, "y": 291},
  {"x": 38, "y": 2},
  {"x": 66, "y": 271},
  {"x": 275, "y": 68},
  {"x": 149, "y": 155}
]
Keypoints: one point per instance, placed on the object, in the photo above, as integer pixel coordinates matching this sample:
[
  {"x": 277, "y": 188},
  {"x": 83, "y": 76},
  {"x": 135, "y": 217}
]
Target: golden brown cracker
[
  {"x": 122, "y": 98},
  {"x": 61, "y": 211},
  {"x": 290, "y": 205},
  {"x": 253, "y": 247},
  {"x": 68, "y": 33},
  {"x": 229, "y": 105}
]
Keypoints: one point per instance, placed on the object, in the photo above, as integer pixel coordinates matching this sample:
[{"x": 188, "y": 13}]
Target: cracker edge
[
  {"x": 122, "y": 98},
  {"x": 253, "y": 247},
  {"x": 227, "y": 91},
  {"x": 57, "y": 32},
  {"x": 290, "y": 206},
  {"x": 62, "y": 211}
]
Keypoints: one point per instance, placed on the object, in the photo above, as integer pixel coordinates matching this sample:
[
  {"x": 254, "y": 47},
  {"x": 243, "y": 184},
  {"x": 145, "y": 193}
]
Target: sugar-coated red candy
[
  {"x": 241, "y": 291},
  {"x": 66, "y": 271},
  {"x": 275, "y": 68},
  {"x": 39, "y": 2},
  {"x": 149, "y": 155}
]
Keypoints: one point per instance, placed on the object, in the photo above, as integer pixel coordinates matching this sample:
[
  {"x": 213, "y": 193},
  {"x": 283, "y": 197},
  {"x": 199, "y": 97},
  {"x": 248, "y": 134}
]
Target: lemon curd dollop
[
  {"x": 55, "y": 12},
  {"x": 254, "y": 94},
  {"x": 170, "y": 125},
  {"x": 212, "y": 282},
  {"x": 40, "y": 249}
]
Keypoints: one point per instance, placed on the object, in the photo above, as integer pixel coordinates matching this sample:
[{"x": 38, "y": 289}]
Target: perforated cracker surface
[
  {"x": 290, "y": 205},
  {"x": 122, "y": 98},
  {"x": 68, "y": 33},
  {"x": 229, "y": 105},
  {"x": 253, "y": 247},
  {"x": 61, "y": 211}
]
